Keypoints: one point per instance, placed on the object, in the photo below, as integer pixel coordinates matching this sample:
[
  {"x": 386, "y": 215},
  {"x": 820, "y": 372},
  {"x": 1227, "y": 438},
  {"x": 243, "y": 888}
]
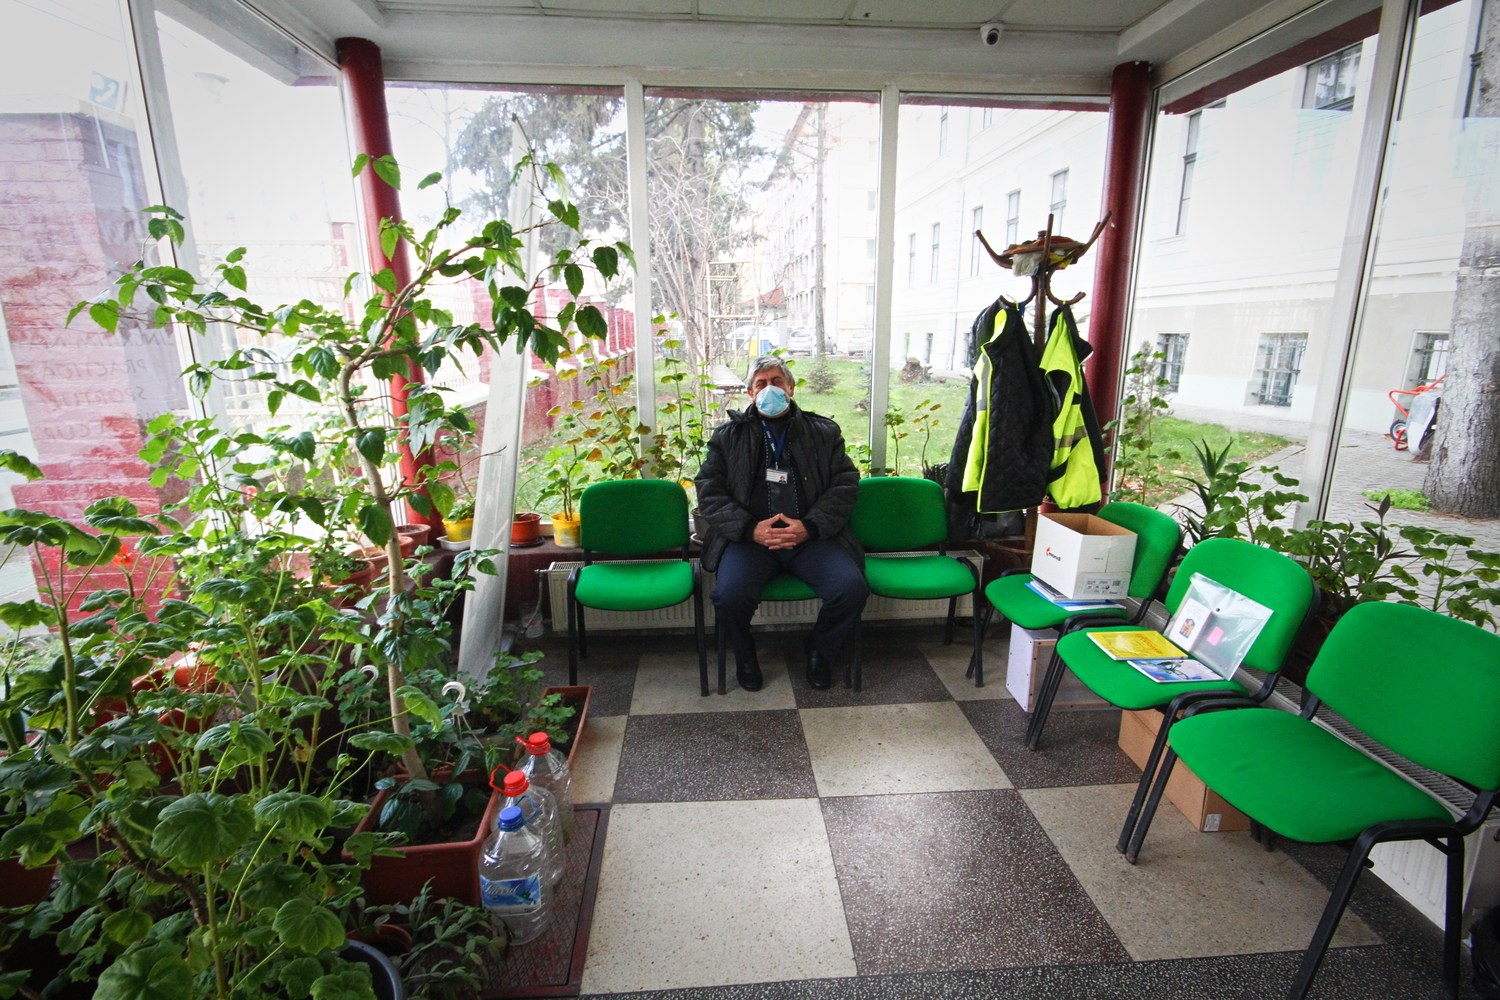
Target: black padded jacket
[{"x": 828, "y": 481}]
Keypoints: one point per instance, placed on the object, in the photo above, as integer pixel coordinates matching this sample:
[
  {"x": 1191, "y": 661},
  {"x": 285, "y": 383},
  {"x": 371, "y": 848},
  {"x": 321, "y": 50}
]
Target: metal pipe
[
  {"x": 364, "y": 88},
  {"x": 1129, "y": 124}
]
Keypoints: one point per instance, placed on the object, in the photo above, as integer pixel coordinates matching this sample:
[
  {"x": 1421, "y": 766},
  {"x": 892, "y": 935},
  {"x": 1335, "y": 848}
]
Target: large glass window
[{"x": 1422, "y": 423}]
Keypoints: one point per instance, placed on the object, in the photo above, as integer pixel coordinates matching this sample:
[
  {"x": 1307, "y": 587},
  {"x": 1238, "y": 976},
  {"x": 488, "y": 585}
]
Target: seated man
[{"x": 777, "y": 489}]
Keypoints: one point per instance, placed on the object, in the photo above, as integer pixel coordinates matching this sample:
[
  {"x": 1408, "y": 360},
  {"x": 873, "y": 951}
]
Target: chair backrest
[
  {"x": 1157, "y": 537},
  {"x": 1266, "y": 577},
  {"x": 899, "y": 512},
  {"x": 1421, "y": 683},
  {"x": 633, "y": 517}
]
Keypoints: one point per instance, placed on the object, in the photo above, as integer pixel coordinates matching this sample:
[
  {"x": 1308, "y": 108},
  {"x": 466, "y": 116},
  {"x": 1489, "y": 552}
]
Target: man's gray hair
[{"x": 769, "y": 361}]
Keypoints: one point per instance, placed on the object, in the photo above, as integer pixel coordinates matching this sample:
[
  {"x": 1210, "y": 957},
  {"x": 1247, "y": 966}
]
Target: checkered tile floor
[{"x": 902, "y": 842}]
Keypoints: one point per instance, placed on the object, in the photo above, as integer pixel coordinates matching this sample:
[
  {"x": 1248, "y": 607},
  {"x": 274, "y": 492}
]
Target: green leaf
[
  {"x": 303, "y": 446},
  {"x": 307, "y": 927},
  {"x": 591, "y": 323},
  {"x": 607, "y": 260},
  {"x": 386, "y": 169},
  {"x": 202, "y": 828},
  {"x": 392, "y": 743},
  {"x": 299, "y": 975},
  {"x": 371, "y": 444},
  {"x": 375, "y": 522},
  {"x": 443, "y": 497},
  {"x": 154, "y": 973},
  {"x": 429, "y": 180},
  {"x": 573, "y": 275},
  {"x": 389, "y": 237},
  {"x": 127, "y": 926},
  {"x": 419, "y": 704},
  {"x": 25, "y": 614},
  {"x": 353, "y": 983},
  {"x": 385, "y": 279},
  {"x": 297, "y": 815},
  {"x": 19, "y": 464}
]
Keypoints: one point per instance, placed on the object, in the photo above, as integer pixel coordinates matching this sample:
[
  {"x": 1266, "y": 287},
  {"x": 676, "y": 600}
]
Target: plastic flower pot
[
  {"x": 459, "y": 531},
  {"x": 526, "y": 528},
  {"x": 452, "y": 868},
  {"x": 566, "y": 531},
  {"x": 420, "y": 534}
]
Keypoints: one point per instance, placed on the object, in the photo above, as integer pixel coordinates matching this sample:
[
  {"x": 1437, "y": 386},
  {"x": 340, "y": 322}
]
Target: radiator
[{"x": 770, "y": 613}]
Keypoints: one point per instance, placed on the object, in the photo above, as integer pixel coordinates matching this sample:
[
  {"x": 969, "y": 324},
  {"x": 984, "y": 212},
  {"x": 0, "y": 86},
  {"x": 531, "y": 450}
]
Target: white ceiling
[{"x": 1061, "y": 47}]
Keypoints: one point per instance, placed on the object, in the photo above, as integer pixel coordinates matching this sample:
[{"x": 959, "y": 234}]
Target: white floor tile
[
  {"x": 714, "y": 893},
  {"x": 598, "y": 758},
  {"x": 951, "y": 662},
  {"x": 1192, "y": 894},
  {"x": 880, "y": 749},
  {"x": 668, "y": 684}
]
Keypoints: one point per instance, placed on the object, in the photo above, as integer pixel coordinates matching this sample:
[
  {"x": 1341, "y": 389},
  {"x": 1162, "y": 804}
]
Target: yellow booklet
[{"x": 1136, "y": 646}]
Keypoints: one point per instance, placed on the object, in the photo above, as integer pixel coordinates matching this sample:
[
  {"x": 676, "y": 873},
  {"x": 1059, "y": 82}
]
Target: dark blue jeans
[{"x": 822, "y": 564}]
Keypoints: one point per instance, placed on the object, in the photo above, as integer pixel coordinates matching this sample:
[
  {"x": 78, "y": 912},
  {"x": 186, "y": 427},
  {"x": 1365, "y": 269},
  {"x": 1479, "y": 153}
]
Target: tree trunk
[
  {"x": 820, "y": 329},
  {"x": 1464, "y": 477}
]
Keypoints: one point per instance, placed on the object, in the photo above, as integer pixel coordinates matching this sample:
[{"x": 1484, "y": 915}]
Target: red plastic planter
[
  {"x": 525, "y": 528},
  {"x": 453, "y": 868}
]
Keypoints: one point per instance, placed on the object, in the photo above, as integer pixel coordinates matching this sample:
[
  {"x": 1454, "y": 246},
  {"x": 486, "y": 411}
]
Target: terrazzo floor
[{"x": 901, "y": 842}]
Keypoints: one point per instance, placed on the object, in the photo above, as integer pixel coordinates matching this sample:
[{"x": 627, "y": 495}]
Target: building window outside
[
  {"x": 1278, "y": 361},
  {"x": 1189, "y": 164},
  {"x": 869, "y": 201},
  {"x": 976, "y": 223},
  {"x": 1173, "y": 347},
  {"x": 1012, "y": 218},
  {"x": 1429, "y": 358},
  {"x": 1330, "y": 81},
  {"x": 932, "y": 268},
  {"x": 870, "y": 249},
  {"x": 1059, "y": 204},
  {"x": 943, "y": 132},
  {"x": 911, "y": 260},
  {"x": 927, "y": 353},
  {"x": 986, "y": 117}
]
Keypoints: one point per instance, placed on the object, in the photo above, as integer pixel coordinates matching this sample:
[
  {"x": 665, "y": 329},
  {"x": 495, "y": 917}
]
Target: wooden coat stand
[{"x": 1055, "y": 253}]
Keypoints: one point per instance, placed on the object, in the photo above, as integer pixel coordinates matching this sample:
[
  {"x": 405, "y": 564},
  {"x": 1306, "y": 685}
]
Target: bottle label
[{"x": 510, "y": 893}]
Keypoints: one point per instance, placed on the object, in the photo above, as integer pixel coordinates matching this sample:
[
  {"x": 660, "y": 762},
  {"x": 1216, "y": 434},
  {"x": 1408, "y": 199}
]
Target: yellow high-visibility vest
[
  {"x": 1075, "y": 474},
  {"x": 980, "y": 441}
]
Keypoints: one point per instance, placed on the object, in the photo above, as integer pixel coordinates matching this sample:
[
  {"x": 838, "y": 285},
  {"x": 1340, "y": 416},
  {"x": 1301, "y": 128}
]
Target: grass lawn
[{"x": 1175, "y": 434}]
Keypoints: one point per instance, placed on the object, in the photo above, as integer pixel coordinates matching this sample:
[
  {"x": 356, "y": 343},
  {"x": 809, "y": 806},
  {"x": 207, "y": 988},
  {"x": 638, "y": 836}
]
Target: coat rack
[{"x": 1039, "y": 260}]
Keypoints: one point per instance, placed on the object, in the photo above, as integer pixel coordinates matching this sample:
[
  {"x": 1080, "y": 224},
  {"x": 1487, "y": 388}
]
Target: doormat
[{"x": 552, "y": 965}]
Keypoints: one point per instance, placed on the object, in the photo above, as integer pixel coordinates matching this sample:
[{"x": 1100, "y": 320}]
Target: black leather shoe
[
  {"x": 747, "y": 672},
  {"x": 819, "y": 675}
]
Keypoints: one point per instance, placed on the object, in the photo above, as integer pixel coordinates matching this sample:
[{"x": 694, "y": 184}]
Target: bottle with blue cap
[{"x": 511, "y": 882}]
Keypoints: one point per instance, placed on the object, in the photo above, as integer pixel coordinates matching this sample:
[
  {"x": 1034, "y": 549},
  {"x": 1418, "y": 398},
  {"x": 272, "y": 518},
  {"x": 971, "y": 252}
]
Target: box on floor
[
  {"x": 1203, "y": 807},
  {"x": 1030, "y": 653}
]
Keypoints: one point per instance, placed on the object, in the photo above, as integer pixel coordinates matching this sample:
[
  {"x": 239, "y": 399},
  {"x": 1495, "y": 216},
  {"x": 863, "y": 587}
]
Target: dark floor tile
[
  {"x": 895, "y": 673},
  {"x": 958, "y": 880},
  {"x": 609, "y": 667},
  {"x": 704, "y": 757},
  {"x": 1078, "y": 748}
]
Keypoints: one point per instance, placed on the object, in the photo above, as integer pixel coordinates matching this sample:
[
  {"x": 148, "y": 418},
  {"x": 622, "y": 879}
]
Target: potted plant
[
  {"x": 525, "y": 528},
  {"x": 566, "y": 476},
  {"x": 459, "y": 521}
]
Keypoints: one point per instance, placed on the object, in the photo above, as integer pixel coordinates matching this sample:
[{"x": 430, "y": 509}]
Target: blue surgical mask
[{"x": 771, "y": 401}]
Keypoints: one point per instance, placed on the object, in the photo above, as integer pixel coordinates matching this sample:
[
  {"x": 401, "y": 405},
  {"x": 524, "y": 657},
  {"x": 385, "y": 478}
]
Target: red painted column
[
  {"x": 1129, "y": 118},
  {"x": 364, "y": 82}
]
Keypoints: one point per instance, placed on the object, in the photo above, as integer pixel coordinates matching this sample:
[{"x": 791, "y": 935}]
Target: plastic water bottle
[
  {"x": 511, "y": 878},
  {"x": 548, "y": 768},
  {"x": 540, "y": 810}
]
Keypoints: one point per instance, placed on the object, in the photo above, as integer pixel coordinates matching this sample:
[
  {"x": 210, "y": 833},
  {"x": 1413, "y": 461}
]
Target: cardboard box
[
  {"x": 1030, "y": 652},
  {"x": 1202, "y": 806},
  {"x": 1083, "y": 556}
]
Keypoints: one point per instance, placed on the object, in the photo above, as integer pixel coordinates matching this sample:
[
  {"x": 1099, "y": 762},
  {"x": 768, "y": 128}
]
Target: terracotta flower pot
[
  {"x": 452, "y": 868},
  {"x": 420, "y": 534},
  {"x": 567, "y": 531},
  {"x": 526, "y": 528},
  {"x": 22, "y": 886}
]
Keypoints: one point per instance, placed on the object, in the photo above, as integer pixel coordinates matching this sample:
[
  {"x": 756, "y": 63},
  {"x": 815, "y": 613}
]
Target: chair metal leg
[
  {"x": 572, "y": 635},
  {"x": 989, "y": 610},
  {"x": 948, "y": 625},
  {"x": 1143, "y": 822},
  {"x": 698, "y": 633},
  {"x": 1453, "y": 915},
  {"x": 723, "y": 647},
  {"x": 1332, "y": 913},
  {"x": 1144, "y": 785},
  {"x": 976, "y": 661},
  {"x": 1043, "y": 706},
  {"x": 583, "y": 635}
]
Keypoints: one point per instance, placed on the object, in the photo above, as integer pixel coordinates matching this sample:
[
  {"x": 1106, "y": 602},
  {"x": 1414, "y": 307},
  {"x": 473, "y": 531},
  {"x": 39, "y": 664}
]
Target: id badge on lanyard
[{"x": 778, "y": 480}]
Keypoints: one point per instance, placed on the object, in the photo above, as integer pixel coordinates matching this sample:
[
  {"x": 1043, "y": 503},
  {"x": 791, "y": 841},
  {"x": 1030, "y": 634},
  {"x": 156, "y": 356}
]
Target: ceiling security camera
[{"x": 990, "y": 33}]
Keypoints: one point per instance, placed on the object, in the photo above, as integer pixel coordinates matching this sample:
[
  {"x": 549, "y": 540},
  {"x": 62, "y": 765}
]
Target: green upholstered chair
[
  {"x": 633, "y": 517},
  {"x": 898, "y": 512},
  {"x": 783, "y": 587},
  {"x": 1158, "y": 536},
  {"x": 1419, "y": 683},
  {"x": 1269, "y": 578}
]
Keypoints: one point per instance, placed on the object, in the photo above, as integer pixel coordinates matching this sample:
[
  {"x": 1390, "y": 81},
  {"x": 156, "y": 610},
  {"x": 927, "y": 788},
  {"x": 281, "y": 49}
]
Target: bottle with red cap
[
  {"x": 549, "y": 769},
  {"x": 540, "y": 810},
  {"x": 511, "y": 877}
]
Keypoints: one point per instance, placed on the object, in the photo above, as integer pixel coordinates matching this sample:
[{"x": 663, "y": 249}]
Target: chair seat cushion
[
  {"x": 1018, "y": 603},
  {"x": 1121, "y": 684},
  {"x": 917, "y": 578},
  {"x": 634, "y": 586},
  {"x": 786, "y": 587},
  {"x": 1295, "y": 776}
]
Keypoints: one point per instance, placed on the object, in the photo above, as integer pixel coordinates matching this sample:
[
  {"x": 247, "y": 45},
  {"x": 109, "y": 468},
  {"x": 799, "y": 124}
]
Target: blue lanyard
[{"x": 776, "y": 448}]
